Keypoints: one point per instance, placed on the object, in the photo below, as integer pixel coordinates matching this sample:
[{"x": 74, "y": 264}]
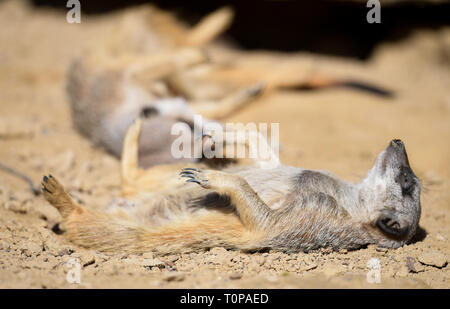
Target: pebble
[
  {"x": 435, "y": 259},
  {"x": 309, "y": 266},
  {"x": 65, "y": 251},
  {"x": 218, "y": 250},
  {"x": 152, "y": 263},
  {"x": 171, "y": 259},
  {"x": 87, "y": 259},
  {"x": 413, "y": 266},
  {"x": 174, "y": 276},
  {"x": 235, "y": 276}
]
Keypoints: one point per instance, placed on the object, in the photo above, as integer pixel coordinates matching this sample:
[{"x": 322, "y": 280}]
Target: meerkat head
[{"x": 393, "y": 193}]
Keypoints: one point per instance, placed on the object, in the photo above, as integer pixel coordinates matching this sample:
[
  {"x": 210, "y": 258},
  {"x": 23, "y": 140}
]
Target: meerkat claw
[
  {"x": 193, "y": 180},
  {"x": 195, "y": 175},
  {"x": 191, "y": 169},
  {"x": 44, "y": 189}
]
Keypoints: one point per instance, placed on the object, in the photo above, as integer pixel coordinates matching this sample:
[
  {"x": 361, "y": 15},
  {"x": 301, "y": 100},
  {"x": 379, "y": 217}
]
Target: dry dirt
[{"x": 340, "y": 130}]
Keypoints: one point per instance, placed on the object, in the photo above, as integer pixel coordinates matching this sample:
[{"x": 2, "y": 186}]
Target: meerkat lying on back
[
  {"x": 154, "y": 65},
  {"x": 154, "y": 73},
  {"x": 247, "y": 208}
]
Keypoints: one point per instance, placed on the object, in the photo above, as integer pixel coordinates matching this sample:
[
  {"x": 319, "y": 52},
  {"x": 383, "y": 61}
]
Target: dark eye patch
[
  {"x": 406, "y": 180},
  {"x": 149, "y": 111}
]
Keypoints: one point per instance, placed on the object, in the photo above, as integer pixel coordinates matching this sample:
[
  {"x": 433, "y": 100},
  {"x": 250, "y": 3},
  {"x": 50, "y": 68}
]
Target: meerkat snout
[
  {"x": 390, "y": 225},
  {"x": 397, "y": 142}
]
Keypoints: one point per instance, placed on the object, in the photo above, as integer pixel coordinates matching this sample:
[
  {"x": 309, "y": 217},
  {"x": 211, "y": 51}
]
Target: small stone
[
  {"x": 65, "y": 251},
  {"x": 218, "y": 250},
  {"x": 306, "y": 263},
  {"x": 235, "y": 276},
  {"x": 174, "y": 276},
  {"x": 152, "y": 263},
  {"x": 171, "y": 259},
  {"x": 435, "y": 259},
  {"x": 87, "y": 259},
  {"x": 308, "y": 267},
  {"x": 381, "y": 249},
  {"x": 413, "y": 266}
]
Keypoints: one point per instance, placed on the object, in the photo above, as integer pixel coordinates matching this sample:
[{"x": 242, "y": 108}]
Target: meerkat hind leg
[{"x": 55, "y": 194}]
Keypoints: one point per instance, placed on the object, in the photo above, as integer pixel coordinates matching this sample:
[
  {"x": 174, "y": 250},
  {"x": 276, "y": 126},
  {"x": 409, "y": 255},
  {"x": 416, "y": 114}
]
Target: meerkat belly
[{"x": 272, "y": 186}]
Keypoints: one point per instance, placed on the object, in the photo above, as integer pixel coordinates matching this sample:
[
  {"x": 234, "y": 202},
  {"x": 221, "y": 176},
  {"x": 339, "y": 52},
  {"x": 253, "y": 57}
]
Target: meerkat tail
[{"x": 209, "y": 27}]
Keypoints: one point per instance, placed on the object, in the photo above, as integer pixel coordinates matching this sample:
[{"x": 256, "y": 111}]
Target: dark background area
[{"x": 320, "y": 26}]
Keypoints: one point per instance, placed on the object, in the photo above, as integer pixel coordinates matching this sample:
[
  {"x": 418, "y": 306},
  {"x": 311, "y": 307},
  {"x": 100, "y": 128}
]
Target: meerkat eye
[
  {"x": 146, "y": 112},
  {"x": 406, "y": 180}
]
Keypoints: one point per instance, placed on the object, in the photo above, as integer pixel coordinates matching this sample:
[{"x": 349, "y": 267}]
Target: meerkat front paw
[
  {"x": 210, "y": 179},
  {"x": 196, "y": 176}
]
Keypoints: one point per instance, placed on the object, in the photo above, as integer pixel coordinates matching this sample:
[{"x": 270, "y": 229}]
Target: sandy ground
[{"x": 340, "y": 130}]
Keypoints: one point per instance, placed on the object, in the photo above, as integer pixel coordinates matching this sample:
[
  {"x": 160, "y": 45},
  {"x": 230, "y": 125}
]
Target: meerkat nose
[{"x": 397, "y": 142}]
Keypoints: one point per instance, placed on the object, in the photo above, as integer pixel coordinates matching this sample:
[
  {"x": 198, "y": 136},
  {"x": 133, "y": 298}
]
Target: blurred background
[{"x": 337, "y": 27}]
